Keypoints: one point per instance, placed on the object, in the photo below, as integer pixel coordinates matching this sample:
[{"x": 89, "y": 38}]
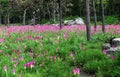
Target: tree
[
  {"x": 60, "y": 14},
  {"x": 102, "y": 16},
  {"x": 0, "y": 14},
  {"x": 95, "y": 17},
  {"x": 88, "y": 20}
]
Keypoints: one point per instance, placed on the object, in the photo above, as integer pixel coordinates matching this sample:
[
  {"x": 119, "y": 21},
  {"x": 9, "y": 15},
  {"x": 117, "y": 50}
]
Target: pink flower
[
  {"x": 5, "y": 68},
  {"x": 12, "y": 59},
  {"x": 65, "y": 36},
  {"x": 113, "y": 57},
  {"x": 39, "y": 37},
  {"x": 31, "y": 38},
  {"x": 21, "y": 58},
  {"x": 113, "y": 46},
  {"x": 13, "y": 71},
  {"x": 73, "y": 58},
  {"x": 1, "y": 51},
  {"x": 55, "y": 58},
  {"x": 15, "y": 65},
  {"x": 76, "y": 71},
  {"x": 1, "y": 40},
  {"x": 31, "y": 54},
  {"x": 105, "y": 51},
  {"x": 25, "y": 65},
  {"x": 51, "y": 57},
  {"x": 30, "y": 64},
  {"x": 71, "y": 54},
  {"x": 56, "y": 49}
]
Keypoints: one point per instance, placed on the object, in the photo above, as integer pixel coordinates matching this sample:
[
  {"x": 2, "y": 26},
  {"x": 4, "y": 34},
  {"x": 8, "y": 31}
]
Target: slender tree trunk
[
  {"x": 34, "y": 19},
  {"x": 0, "y": 17},
  {"x": 24, "y": 17},
  {"x": 4, "y": 18},
  {"x": 0, "y": 14},
  {"x": 102, "y": 15},
  {"x": 60, "y": 14},
  {"x": 88, "y": 20},
  {"x": 54, "y": 11},
  {"x": 8, "y": 18},
  {"x": 95, "y": 17}
]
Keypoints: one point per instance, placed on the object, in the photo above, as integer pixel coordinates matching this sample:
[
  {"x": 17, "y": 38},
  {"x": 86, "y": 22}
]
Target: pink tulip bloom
[
  {"x": 56, "y": 49},
  {"x": 30, "y": 64},
  {"x": 105, "y": 51},
  {"x": 5, "y": 68},
  {"x": 13, "y": 71},
  {"x": 21, "y": 58},
  {"x": 1, "y": 51},
  {"x": 76, "y": 71},
  {"x": 1, "y": 40},
  {"x": 31, "y": 54},
  {"x": 12, "y": 59},
  {"x": 113, "y": 57},
  {"x": 25, "y": 65},
  {"x": 51, "y": 57},
  {"x": 71, "y": 54}
]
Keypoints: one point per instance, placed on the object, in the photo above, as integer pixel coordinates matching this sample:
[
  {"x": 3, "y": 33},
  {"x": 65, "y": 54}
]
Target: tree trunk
[
  {"x": 5, "y": 19},
  {"x": 24, "y": 17},
  {"x": 0, "y": 17},
  {"x": 8, "y": 18},
  {"x": 88, "y": 20},
  {"x": 60, "y": 14},
  {"x": 102, "y": 16},
  {"x": 54, "y": 11},
  {"x": 34, "y": 23},
  {"x": 95, "y": 17}
]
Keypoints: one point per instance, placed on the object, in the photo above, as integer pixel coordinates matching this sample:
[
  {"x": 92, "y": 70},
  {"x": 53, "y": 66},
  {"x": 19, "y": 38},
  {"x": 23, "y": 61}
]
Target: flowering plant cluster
[{"x": 47, "y": 51}]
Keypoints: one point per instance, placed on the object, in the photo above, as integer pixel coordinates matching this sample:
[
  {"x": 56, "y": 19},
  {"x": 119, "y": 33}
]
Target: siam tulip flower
[
  {"x": 58, "y": 41},
  {"x": 113, "y": 57},
  {"x": 71, "y": 54},
  {"x": 16, "y": 62},
  {"x": 73, "y": 58},
  {"x": 51, "y": 57},
  {"x": 55, "y": 58},
  {"x": 15, "y": 65},
  {"x": 21, "y": 58},
  {"x": 30, "y": 64},
  {"x": 105, "y": 51},
  {"x": 65, "y": 36},
  {"x": 5, "y": 68},
  {"x": 12, "y": 59},
  {"x": 113, "y": 46},
  {"x": 39, "y": 37},
  {"x": 1, "y": 51},
  {"x": 31, "y": 38},
  {"x": 56, "y": 49},
  {"x": 76, "y": 71},
  {"x": 1, "y": 40},
  {"x": 25, "y": 65},
  {"x": 13, "y": 71},
  {"x": 31, "y": 54}
]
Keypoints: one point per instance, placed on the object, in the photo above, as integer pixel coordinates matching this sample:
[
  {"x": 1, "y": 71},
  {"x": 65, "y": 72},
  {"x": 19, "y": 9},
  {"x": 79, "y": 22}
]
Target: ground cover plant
[{"x": 46, "y": 51}]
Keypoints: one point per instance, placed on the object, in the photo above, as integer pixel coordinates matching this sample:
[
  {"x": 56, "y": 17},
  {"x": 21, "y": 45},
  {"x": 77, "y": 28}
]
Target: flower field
[{"x": 46, "y": 51}]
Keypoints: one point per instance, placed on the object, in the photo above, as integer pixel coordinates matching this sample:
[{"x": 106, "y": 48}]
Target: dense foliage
[
  {"x": 46, "y": 51},
  {"x": 13, "y": 10}
]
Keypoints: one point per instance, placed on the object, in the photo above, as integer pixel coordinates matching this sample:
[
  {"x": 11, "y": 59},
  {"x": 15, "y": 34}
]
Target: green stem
[{"x": 6, "y": 74}]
